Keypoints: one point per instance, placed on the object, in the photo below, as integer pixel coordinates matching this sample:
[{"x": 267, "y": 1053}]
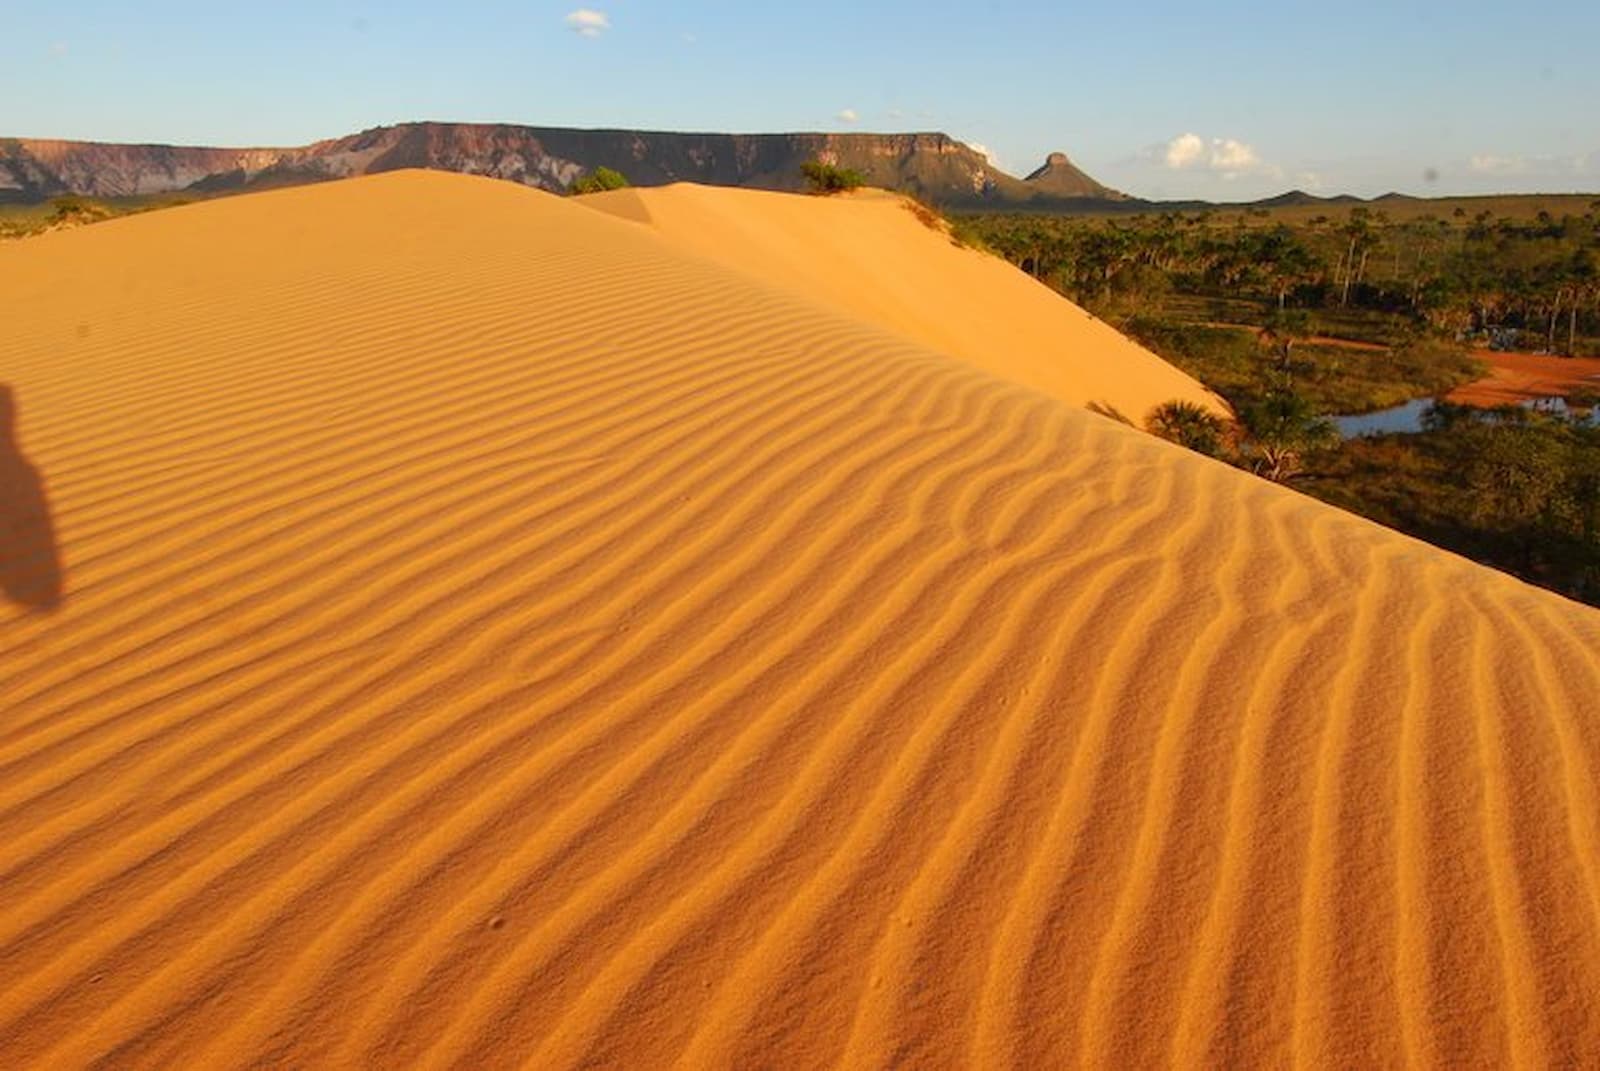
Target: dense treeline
[
  {"x": 1511, "y": 488},
  {"x": 1532, "y": 284}
]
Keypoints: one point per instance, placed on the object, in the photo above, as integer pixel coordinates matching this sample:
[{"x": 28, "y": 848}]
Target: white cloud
[
  {"x": 588, "y": 23},
  {"x": 848, "y": 115},
  {"x": 1185, "y": 150},
  {"x": 1228, "y": 157},
  {"x": 1491, "y": 164},
  {"x": 984, "y": 151}
]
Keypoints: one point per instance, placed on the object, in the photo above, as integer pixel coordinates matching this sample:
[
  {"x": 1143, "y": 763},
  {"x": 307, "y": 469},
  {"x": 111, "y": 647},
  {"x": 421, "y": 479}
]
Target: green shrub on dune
[
  {"x": 599, "y": 180},
  {"x": 825, "y": 178}
]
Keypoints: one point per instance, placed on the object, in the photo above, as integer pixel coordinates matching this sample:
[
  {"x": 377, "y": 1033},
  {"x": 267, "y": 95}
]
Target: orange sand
[
  {"x": 1520, "y": 377},
  {"x": 866, "y": 256},
  {"x": 492, "y": 636}
]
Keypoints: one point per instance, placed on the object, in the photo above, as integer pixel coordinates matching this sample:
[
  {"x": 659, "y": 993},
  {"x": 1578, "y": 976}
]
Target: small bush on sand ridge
[
  {"x": 599, "y": 180},
  {"x": 828, "y": 179},
  {"x": 1187, "y": 424}
]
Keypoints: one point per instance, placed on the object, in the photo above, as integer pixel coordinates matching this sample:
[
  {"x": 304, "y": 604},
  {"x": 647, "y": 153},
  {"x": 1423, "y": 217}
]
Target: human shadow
[{"x": 30, "y": 563}]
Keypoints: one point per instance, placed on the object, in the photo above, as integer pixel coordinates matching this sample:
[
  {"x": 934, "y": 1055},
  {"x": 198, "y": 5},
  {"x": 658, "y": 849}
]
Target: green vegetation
[
  {"x": 1236, "y": 361},
  {"x": 22, "y": 220},
  {"x": 926, "y": 214},
  {"x": 1293, "y": 315},
  {"x": 599, "y": 180},
  {"x": 1283, "y": 429},
  {"x": 824, "y": 178},
  {"x": 1190, "y": 425},
  {"x": 1360, "y": 274},
  {"x": 930, "y": 216},
  {"x": 71, "y": 211},
  {"x": 1278, "y": 431},
  {"x": 19, "y": 220},
  {"x": 1518, "y": 490},
  {"x": 1512, "y": 488}
]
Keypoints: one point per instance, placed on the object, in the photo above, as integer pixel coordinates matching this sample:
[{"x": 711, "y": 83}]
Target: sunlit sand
[{"x": 492, "y": 632}]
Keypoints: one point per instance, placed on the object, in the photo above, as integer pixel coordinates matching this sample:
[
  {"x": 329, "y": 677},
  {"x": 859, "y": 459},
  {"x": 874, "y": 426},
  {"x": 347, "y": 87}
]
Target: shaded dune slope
[
  {"x": 865, "y": 255},
  {"x": 490, "y": 637}
]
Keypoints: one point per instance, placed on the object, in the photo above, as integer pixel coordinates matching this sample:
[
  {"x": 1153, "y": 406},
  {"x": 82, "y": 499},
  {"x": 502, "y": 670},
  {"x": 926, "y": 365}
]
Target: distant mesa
[{"x": 929, "y": 164}]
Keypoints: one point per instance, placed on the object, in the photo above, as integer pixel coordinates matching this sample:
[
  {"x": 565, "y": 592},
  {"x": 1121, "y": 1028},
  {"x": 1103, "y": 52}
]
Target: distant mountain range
[{"x": 931, "y": 165}]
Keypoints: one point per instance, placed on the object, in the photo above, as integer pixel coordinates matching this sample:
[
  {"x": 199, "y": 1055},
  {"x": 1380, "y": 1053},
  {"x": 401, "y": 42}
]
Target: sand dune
[
  {"x": 490, "y": 635},
  {"x": 864, "y": 255}
]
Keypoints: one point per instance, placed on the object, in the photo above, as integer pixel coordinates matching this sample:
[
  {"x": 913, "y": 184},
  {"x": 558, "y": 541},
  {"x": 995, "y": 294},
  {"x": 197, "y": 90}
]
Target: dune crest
[
  {"x": 865, "y": 255},
  {"x": 495, "y": 636}
]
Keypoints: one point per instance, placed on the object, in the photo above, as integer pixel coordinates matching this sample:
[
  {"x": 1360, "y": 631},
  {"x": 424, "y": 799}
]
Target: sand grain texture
[{"x": 490, "y": 634}]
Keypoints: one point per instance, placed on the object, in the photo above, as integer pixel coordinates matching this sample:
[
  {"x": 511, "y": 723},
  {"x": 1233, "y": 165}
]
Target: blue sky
[{"x": 1220, "y": 100}]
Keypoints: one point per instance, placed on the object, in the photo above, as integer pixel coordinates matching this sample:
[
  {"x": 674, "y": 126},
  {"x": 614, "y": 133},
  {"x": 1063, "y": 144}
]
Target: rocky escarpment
[{"x": 932, "y": 165}]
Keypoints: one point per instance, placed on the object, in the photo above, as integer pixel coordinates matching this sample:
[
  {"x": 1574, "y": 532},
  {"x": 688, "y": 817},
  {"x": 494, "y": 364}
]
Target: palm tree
[
  {"x": 1359, "y": 231},
  {"x": 1284, "y": 427},
  {"x": 1283, "y": 261},
  {"x": 1187, "y": 424},
  {"x": 1283, "y": 329}
]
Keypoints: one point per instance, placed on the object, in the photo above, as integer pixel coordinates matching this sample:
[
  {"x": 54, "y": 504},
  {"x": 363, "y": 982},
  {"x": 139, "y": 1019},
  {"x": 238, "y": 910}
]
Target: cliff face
[
  {"x": 98, "y": 170},
  {"x": 932, "y": 165}
]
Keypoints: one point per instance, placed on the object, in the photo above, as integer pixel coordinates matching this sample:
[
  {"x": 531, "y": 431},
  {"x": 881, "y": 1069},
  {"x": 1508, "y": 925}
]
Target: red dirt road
[{"x": 1518, "y": 377}]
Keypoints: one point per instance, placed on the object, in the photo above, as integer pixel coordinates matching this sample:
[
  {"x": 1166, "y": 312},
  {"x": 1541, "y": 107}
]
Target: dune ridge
[
  {"x": 867, "y": 255},
  {"x": 461, "y": 665}
]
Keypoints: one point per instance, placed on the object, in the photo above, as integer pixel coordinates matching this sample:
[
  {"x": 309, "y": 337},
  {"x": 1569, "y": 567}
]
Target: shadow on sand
[{"x": 30, "y": 564}]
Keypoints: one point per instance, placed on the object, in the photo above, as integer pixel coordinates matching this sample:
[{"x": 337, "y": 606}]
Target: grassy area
[
  {"x": 1346, "y": 380},
  {"x": 1234, "y": 362},
  {"x": 22, "y": 220}
]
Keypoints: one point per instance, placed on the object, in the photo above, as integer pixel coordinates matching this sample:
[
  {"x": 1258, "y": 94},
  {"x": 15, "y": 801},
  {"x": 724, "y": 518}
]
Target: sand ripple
[{"x": 490, "y": 636}]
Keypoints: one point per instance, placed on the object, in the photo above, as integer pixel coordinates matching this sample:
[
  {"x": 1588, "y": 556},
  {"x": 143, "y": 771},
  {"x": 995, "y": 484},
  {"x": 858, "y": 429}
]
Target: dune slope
[
  {"x": 488, "y": 636},
  {"x": 867, "y": 256}
]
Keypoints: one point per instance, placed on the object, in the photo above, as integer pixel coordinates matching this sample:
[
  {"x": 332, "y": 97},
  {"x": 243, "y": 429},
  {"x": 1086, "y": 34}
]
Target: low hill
[{"x": 485, "y": 633}]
